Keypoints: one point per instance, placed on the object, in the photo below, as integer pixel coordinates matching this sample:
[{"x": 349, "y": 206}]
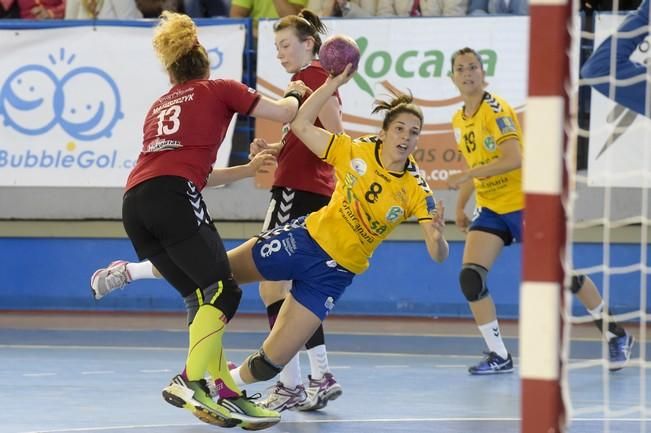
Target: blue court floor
[{"x": 82, "y": 381}]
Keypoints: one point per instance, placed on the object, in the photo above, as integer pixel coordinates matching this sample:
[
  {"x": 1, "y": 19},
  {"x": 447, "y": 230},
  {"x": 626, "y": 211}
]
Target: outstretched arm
[
  {"x": 315, "y": 138},
  {"x": 281, "y": 110},
  {"x": 599, "y": 65},
  {"x": 223, "y": 176}
]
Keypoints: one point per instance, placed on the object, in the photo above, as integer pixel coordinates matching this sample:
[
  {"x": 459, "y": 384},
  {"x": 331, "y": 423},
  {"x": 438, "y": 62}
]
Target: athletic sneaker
[
  {"x": 195, "y": 397},
  {"x": 619, "y": 349},
  {"x": 252, "y": 416},
  {"x": 320, "y": 392},
  {"x": 113, "y": 277},
  {"x": 281, "y": 398},
  {"x": 493, "y": 364}
]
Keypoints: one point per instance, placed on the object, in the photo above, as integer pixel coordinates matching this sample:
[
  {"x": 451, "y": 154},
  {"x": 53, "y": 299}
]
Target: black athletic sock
[{"x": 316, "y": 339}]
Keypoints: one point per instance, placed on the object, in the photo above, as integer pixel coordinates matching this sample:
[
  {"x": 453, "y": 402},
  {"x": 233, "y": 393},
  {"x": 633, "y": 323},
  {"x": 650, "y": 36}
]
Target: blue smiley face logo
[
  {"x": 26, "y": 100},
  {"x": 85, "y": 102},
  {"x": 85, "y": 115}
]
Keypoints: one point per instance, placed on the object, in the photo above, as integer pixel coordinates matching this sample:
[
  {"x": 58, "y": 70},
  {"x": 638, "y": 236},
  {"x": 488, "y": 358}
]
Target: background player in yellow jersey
[{"x": 488, "y": 134}]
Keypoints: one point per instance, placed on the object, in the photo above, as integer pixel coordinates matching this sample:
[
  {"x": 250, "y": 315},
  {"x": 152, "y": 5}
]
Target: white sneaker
[
  {"x": 281, "y": 398},
  {"x": 320, "y": 392},
  {"x": 113, "y": 277}
]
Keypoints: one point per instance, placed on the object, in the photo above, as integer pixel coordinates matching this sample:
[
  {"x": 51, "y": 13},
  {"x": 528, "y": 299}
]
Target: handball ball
[{"x": 336, "y": 52}]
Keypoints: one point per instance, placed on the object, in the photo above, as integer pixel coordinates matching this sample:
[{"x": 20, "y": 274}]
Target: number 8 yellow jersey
[
  {"x": 479, "y": 138},
  {"x": 369, "y": 201}
]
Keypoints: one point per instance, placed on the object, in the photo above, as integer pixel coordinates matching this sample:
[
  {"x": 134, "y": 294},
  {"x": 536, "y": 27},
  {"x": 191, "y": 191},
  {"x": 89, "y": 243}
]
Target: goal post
[{"x": 541, "y": 293}]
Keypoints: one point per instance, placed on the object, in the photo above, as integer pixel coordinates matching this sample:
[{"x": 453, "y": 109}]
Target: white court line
[
  {"x": 336, "y": 421},
  {"x": 38, "y": 374},
  {"x": 344, "y": 333},
  {"x": 184, "y": 349},
  {"x": 392, "y": 366},
  {"x": 449, "y": 366},
  {"x": 247, "y": 351}
]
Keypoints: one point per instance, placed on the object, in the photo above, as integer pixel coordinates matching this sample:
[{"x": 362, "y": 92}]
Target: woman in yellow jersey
[
  {"x": 489, "y": 137},
  {"x": 378, "y": 187},
  {"x": 488, "y": 134}
]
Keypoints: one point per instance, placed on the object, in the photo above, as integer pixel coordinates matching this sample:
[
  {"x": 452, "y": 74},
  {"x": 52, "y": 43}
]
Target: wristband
[{"x": 294, "y": 94}]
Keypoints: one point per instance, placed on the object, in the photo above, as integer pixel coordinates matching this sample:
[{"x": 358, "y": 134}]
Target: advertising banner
[
  {"x": 619, "y": 152},
  {"x": 413, "y": 55},
  {"x": 73, "y": 99}
]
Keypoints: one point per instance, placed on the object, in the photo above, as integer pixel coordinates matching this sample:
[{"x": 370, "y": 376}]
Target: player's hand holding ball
[{"x": 343, "y": 77}]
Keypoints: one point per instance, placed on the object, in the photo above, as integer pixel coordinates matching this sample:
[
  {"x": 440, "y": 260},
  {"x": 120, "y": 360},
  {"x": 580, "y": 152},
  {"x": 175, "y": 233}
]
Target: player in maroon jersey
[
  {"x": 303, "y": 183},
  {"x": 167, "y": 221}
]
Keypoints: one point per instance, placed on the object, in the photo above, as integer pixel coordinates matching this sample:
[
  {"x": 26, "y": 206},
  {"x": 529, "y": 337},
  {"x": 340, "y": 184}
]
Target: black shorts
[
  {"x": 168, "y": 223},
  {"x": 287, "y": 204}
]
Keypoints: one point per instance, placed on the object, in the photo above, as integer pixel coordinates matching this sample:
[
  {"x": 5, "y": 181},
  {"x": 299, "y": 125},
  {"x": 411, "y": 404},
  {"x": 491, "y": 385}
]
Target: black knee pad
[
  {"x": 577, "y": 283},
  {"x": 225, "y": 295},
  {"x": 261, "y": 367},
  {"x": 472, "y": 279}
]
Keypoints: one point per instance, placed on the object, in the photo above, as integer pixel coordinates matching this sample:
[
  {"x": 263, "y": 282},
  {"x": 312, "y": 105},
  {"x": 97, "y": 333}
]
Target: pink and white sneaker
[
  {"x": 281, "y": 398},
  {"x": 320, "y": 392},
  {"x": 105, "y": 280}
]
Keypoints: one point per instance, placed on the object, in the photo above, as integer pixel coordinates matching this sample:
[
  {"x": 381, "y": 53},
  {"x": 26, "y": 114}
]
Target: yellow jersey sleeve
[
  {"x": 502, "y": 125},
  {"x": 338, "y": 150}
]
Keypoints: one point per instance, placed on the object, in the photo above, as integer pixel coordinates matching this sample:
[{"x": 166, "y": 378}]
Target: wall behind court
[{"x": 53, "y": 274}]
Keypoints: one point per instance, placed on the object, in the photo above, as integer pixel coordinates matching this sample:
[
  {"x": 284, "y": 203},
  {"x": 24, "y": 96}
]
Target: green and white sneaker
[
  {"x": 195, "y": 397},
  {"x": 251, "y": 415}
]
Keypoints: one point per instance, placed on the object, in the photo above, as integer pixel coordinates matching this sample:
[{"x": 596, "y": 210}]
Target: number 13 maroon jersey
[{"x": 184, "y": 128}]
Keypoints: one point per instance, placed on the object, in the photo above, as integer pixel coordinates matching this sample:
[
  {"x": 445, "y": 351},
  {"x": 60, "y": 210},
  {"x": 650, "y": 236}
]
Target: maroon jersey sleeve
[{"x": 237, "y": 96}]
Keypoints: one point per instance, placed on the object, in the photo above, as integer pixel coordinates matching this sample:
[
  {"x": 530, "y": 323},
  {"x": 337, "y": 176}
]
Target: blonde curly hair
[{"x": 178, "y": 48}]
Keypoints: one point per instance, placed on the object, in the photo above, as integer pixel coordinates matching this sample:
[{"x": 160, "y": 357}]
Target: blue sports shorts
[
  {"x": 289, "y": 253},
  {"x": 507, "y": 226}
]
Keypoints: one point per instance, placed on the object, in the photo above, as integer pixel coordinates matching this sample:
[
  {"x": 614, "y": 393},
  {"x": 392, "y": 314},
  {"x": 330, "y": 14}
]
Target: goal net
[{"x": 587, "y": 215}]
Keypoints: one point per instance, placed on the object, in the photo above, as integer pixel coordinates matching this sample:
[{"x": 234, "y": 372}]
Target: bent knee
[{"x": 472, "y": 280}]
